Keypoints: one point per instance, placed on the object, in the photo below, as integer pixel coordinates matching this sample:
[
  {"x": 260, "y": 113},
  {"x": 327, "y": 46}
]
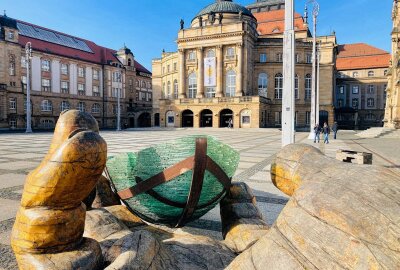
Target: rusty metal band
[{"x": 199, "y": 169}]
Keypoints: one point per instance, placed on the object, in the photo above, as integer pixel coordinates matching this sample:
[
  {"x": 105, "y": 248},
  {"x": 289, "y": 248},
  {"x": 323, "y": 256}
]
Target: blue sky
[{"x": 148, "y": 26}]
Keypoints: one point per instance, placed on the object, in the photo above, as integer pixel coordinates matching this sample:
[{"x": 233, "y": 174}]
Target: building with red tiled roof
[
  {"x": 68, "y": 72},
  {"x": 360, "y": 96}
]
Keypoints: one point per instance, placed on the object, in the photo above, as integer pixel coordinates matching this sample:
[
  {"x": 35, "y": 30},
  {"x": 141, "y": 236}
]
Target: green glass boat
[{"x": 175, "y": 182}]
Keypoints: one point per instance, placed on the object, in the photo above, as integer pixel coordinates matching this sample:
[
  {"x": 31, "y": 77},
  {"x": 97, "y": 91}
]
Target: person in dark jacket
[
  {"x": 317, "y": 131},
  {"x": 326, "y": 130},
  {"x": 335, "y": 130}
]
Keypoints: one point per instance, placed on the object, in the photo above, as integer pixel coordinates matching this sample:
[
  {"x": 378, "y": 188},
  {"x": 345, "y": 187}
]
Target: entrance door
[
  {"x": 323, "y": 117},
  {"x": 157, "y": 120},
  {"x": 224, "y": 117},
  {"x": 131, "y": 122},
  {"x": 187, "y": 118},
  {"x": 144, "y": 120},
  {"x": 206, "y": 118}
]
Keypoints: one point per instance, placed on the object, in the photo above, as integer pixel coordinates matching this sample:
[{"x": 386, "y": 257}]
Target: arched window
[
  {"x": 192, "y": 85},
  {"x": 278, "y": 85},
  {"x": 96, "y": 108},
  {"x": 262, "y": 84},
  {"x": 307, "y": 85},
  {"x": 175, "y": 89},
  {"x": 296, "y": 87},
  {"x": 46, "y": 106},
  {"x": 230, "y": 83},
  {"x": 129, "y": 62},
  {"x": 81, "y": 106},
  {"x": 64, "y": 105},
  {"x": 169, "y": 90},
  {"x": 210, "y": 53}
]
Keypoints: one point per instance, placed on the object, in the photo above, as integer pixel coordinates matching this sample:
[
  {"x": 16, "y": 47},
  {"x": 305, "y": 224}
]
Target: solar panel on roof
[{"x": 49, "y": 36}]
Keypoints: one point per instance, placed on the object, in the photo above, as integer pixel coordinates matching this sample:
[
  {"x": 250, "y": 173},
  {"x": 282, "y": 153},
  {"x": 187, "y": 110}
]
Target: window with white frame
[
  {"x": 47, "y": 123},
  {"x": 355, "y": 89},
  {"x": 308, "y": 86},
  {"x": 263, "y": 57},
  {"x": 95, "y": 74},
  {"x": 308, "y": 58},
  {"x": 371, "y": 89},
  {"x": 81, "y": 89},
  {"x": 230, "y": 52},
  {"x": 370, "y": 117},
  {"x": 96, "y": 91},
  {"x": 46, "y": 106},
  {"x": 210, "y": 53},
  {"x": 64, "y": 87},
  {"x": 192, "y": 55},
  {"x": 81, "y": 72},
  {"x": 278, "y": 118},
  {"x": 230, "y": 84},
  {"x": 341, "y": 89},
  {"x": 278, "y": 86},
  {"x": 46, "y": 85},
  {"x": 340, "y": 103},
  {"x": 192, "y": 83},
  {"x": 279, "y": 57},
  {"x": 175, "y": 67},
  {"x": 11, "y": 35},
  {"x": 11, "y": 67},
  {"x": 45, "y": 65},
  {"x": 296, "y": 87},
  {"x": 370, "y": 102},
  {"x": 371, "y": 73},
  {"x": 297, "y": 58},
  {"x": 64, "y": 105},
  {"x": 176, "y": 89},
  {"x": 210, "y": 92},
  {"x": 149, "y": 96},
  {"x": 263, "y": 85},
  {"x": 13, "y": 104},
  {"x": 64, "y": 69},
  {"x": 308, "y": 117},
  {"x": 169, "y": 90},
  {"x": 96, "y": 108},
  {"x": 164, "y": 90},
  {"x": 81, "y": 106},
  {"x": 13, "y": 123}
]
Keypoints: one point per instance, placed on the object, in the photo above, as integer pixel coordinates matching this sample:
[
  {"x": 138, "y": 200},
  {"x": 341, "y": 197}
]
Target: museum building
[
  {"x": 229, "y": 67},
  {"x": 68, "y": 72}
]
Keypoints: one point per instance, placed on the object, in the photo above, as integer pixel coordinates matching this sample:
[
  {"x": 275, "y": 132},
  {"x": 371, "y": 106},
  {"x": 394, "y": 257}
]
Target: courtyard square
[{"x": 20, "y": 153}]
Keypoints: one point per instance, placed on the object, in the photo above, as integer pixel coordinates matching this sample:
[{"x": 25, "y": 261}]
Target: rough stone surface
[{"x": 340, "y": 216}]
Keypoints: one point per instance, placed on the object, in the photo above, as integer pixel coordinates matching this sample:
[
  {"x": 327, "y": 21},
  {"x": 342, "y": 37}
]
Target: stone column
[
  {"x": 220, "y": 73},
  {"x": 239, "y": 75},
  {"x": 182, "y": 74},
  {"x": 200, "y": 76}
]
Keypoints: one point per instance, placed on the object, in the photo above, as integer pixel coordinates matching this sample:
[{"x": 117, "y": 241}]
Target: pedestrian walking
[
  {"x": 230, "y": 123},
  {"x": 326, "y": 130},
  {"x": 335, "y": 130},
  {"x": 317, "y": 131}
]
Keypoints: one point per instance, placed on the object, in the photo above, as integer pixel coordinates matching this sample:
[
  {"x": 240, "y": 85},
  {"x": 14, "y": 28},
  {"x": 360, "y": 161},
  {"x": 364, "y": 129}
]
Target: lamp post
[
  {"x": 119, "y": 79},
  {"x": 317, "y": 87},
  {"x": 314, "y": 95},
  {"x": 288, "y": 104},
  {"x": 28, "y": 55}
]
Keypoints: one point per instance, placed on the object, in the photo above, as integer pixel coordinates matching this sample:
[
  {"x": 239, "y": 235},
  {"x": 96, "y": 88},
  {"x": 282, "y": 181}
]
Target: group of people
[{"x": 326, "y": 130}]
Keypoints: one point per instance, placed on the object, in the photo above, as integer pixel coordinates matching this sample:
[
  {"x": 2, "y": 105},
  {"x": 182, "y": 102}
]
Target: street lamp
[
  {"x": 28, "y": 55},
  {"x": 314, "y": 94},
  {"x": 119, "y": 80}
]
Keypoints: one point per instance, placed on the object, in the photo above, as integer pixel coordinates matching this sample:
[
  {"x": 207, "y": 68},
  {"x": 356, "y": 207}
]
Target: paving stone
[
  {"x": 18, "y": 165},
  {"x": 11, "y": 180},
  {"x": 8, "y": 209}
]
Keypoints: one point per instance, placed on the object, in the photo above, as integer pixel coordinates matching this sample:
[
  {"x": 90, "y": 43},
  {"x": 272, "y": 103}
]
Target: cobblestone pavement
[{"x": 20, "y": 153}]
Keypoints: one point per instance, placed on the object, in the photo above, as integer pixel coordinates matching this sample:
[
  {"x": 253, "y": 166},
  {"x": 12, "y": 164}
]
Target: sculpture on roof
[
  {"x": 211, "y": 17},
  {"x": 220, "y": 17},
  {"x": 182, "y": 22}
]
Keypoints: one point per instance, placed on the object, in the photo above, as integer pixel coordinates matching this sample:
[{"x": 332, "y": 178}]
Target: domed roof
[{"x": 224, "y": 6}]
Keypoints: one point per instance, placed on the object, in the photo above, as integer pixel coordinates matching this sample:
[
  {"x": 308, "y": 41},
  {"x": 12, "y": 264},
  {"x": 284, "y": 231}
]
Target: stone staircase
[{"x": 377, "y": 132}]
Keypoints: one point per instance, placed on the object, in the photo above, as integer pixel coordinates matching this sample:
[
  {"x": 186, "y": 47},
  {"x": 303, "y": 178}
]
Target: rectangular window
[
  {"x": 355, "y": 102},
  {"x": 370, "y": 102},
  {"x": 371, "y": 89},
  {"x": 13, "y": 123},
  {"x": 341, "y": 90},
  {"x": 263, "y": 57},
  {"x": 45, "y": 65},
  {"x": 168, "y": 69},
  {"x": 340, "y": 103},
  {"x": 46, "y": 85},
  {"x": 278, "y": 118},
  {"x": 192, "y": 56},
  {"x": 81, "y": 89},
  {"x": 13, "y": 103},
  {"x": 81, "y": 72},
  {"x": 279, "y": 57},
  {"x": 308, "y": 117},
  {"x": 296, "y": 87},
  {"x": 64, "y": 87},
  {"x": 95, "y": 74},
  {"x": 175, "y": 66},
  {"x": 116, "y": 77},
  {"x": 96, "y": 92},
  {"x": 114, "y": 92},
  {"x": 309, "y": 58},
  {"x": 210, "y": 92},
  {"x": 64, "y": 69},
  {"x": 11, "y": 35},
  {"x": 355, "y": 89},
  {"x": 297, "y": 58}
]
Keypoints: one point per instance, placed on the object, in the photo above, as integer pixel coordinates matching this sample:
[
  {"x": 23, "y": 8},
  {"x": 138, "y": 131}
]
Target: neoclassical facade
[
  {"x": 228, "y": 67},
  {"x": 68, "y": 72},
  {"x": 392, "y": 112}
]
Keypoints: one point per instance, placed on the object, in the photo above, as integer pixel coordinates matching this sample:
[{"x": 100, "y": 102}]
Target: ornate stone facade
[
  {"x": 248, "y": 72},
  {"x": 392, "y": 112}
]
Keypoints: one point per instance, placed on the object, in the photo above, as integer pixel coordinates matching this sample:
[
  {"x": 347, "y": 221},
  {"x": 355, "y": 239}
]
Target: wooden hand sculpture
[{"x": 51, "y": 218}]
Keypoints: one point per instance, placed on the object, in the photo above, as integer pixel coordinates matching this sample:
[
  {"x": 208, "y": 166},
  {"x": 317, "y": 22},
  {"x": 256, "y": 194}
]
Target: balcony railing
[{"x": 219, "y": 100}]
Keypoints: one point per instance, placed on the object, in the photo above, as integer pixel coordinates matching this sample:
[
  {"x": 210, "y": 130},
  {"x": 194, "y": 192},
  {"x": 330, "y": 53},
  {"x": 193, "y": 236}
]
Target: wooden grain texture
[
  {"x": 52, "y": 216},
  {"x": 340, "y": 216}
]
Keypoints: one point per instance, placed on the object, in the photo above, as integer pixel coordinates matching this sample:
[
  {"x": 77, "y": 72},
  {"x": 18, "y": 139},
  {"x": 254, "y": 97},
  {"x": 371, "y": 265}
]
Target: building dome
[{"x": 224, "y": 6}]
